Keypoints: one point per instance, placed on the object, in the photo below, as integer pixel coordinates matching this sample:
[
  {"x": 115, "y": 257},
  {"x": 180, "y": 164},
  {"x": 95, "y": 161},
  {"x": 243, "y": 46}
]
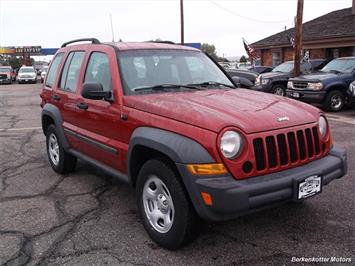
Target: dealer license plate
[
  {"x": 309, "y": 187},
  {"x": 296, "y": 94}
]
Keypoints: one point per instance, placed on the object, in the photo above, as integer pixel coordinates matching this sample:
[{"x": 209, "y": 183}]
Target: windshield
[
  {"x": 284, "y": 67},
  {"x": 44, "y": 69},
  {"x": 4, "y": 69},
  {"x": 26, "y": 70},
  {"x": 344, "y": 65},
  {"x": 151, "y": 68}
]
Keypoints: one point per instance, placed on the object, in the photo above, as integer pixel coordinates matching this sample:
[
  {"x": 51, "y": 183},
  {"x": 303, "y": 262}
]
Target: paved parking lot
[{"x": 88, "y": 218}]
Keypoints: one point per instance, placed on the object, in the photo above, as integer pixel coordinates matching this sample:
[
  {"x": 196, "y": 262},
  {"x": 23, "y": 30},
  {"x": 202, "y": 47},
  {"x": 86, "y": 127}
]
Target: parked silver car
[{"x": 27, "y": 74}]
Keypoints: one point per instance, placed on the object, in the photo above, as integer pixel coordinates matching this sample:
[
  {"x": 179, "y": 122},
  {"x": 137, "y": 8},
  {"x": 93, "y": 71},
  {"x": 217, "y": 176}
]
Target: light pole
[{"x": 182, "y": 20}]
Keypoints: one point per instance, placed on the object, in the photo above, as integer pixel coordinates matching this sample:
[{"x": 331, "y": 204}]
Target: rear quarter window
[{"x": 51, "y": 75}]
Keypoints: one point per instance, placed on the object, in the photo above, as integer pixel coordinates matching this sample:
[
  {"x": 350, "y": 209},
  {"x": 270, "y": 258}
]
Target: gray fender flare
[
  {"x": 178, "y": 148},
  {"x": 53, "y": 112}
]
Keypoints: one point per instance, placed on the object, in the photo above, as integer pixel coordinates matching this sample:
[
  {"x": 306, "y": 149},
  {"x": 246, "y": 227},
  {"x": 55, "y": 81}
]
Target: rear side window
[
  {"x": 98, "y": 70},
  {"x": 71, "y": 71},
  {"x": 53, "y": 70}
]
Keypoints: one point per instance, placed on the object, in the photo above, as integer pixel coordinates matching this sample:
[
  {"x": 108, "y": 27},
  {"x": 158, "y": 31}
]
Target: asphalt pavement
[{"x": 88, "y": 218}]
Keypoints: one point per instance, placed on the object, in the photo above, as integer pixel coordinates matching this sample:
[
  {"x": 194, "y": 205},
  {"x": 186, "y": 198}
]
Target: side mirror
[
  {"x": 236, "y": 81},
  {"x": 94, "y": 91}
]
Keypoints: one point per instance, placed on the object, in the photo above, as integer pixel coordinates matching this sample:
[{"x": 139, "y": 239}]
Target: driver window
[
  {"x": 98, "y": 70},
  {"x": 197, "y": 69}
]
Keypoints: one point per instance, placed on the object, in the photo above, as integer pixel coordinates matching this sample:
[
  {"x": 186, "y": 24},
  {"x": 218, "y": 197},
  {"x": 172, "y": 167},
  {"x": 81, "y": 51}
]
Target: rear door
[
  {"x": 65, "y": 93},
  {"x": 99, "y": 125}
]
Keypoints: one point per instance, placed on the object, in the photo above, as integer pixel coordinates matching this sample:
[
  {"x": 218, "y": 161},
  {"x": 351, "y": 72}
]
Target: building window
[{"x": 276, "y": 58}]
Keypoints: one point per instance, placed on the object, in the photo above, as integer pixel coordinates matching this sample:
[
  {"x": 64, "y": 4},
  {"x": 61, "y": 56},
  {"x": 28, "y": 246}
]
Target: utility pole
[
  {"x": 182, "y": 20},
  {"x": 298, "y": 38}
]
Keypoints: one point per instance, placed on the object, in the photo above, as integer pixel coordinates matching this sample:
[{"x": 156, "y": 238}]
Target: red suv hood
[{"x": 214, "y": 110}]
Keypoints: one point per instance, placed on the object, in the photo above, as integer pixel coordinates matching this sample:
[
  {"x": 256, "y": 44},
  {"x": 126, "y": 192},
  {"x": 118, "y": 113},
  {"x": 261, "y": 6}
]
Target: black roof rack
[{"x": 92, "y": 40}]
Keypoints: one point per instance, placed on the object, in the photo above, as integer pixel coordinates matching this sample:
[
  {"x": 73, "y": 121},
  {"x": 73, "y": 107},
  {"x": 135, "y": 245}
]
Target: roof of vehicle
[
  {"x": 123, "y": 46},
  {"x": 9, "y": 67},
  {"x": 310, "y": 60},
  {"x": 27, "y": 67},
  {"x": 345, "y": 58}
]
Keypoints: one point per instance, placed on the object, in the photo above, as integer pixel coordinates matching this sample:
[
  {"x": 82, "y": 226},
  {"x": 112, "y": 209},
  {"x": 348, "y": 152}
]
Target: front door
[{"x": 99, "y": 123}]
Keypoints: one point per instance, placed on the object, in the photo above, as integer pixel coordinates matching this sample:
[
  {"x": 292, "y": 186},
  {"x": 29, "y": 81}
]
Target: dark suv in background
[
  {"x": 327, "y": 87},
  {"x": 276, "y": 81}
]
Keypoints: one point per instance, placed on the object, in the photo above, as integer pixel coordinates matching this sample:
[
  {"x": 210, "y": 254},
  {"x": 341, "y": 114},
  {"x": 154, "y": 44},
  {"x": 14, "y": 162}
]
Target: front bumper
[
  {"x": 7, "y": 81},
  {"x": 351, "y": 98},
  {"x": 232, "y": 198},
  {"x": 306, "y": 95},
  {"x": 26, "y": 79}
]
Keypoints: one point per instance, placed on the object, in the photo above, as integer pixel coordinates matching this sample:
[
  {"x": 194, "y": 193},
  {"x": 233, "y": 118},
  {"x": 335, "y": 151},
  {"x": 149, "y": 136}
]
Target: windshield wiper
[
  {"x": 162, "y": 87},
  {"x": 211, "y": 83}
]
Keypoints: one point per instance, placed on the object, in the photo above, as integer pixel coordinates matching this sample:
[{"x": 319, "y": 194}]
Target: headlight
[
  {"x": 289, "y": 84},
  {"x": 231, "y": 144},
  {"x": 264, "y": 81},
  {"x": 352, "y": 89},
  {"x": 257, "y": 81},
  {"x": 323, "y": 126},
  {"x": 315, "y": 86}
]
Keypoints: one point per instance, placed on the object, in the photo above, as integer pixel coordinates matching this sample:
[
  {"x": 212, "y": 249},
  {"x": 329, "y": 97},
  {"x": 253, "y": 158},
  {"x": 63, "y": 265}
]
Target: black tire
[
  {"x": 278, "y": 89},
  {"x": 334, "y": 101},
  {"x": 184, "y": 228},
  {"x": 66, "y": 162}
]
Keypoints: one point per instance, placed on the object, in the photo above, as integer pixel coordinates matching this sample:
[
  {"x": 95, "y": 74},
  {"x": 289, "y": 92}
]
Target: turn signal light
[
  {"x": 207, "y": 198},
  {"x": 207, "y": 169}
]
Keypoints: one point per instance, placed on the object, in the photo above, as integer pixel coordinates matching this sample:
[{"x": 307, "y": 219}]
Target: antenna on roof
[{"x": 113, "y": 36}]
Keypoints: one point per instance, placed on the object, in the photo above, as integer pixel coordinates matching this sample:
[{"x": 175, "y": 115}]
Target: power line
[{"x": 245, "y": 17}]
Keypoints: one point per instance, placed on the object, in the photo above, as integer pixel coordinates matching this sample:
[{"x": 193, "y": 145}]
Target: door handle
[
  {"x": 82, "y": 105},
  {"x": 56, "y": 97}
]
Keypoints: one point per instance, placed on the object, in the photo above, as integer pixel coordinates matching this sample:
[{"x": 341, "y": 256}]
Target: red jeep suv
[{"x": 167, "y": 120}]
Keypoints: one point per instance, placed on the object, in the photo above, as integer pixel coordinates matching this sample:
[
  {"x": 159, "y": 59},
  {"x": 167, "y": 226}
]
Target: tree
[
  {"x": 243, "y": 59},
  {"x": 209, "y": 49}
]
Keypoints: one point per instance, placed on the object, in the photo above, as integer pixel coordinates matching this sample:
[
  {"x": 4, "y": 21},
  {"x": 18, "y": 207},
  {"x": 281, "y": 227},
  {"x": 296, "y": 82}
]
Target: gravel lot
[{"x": 87, "y": 218}]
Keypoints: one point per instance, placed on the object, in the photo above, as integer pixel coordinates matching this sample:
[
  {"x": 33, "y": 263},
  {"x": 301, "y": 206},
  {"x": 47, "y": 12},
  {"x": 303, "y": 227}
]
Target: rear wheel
[
  {"x": 166, "y": 211},
  {"x": 278, "y": 89},
  {"x": 334, "y": 101},
  {"x": 61, "y": 161}
]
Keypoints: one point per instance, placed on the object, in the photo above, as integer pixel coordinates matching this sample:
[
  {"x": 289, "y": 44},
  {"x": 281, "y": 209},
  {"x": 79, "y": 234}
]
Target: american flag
[
  {"x": 292, "y": 41},
  {"x": 250, "y": 51}
]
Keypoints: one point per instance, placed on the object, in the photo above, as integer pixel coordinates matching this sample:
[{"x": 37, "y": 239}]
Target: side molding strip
[{"x": 91, "y": 141}]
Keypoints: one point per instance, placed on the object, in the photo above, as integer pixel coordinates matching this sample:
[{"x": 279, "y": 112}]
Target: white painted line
[{"x": 19, "y": 129}]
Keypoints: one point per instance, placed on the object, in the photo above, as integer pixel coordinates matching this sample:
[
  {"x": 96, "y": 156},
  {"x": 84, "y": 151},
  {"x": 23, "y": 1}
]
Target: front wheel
[
  {"x": 334, "y": 101},
  {"x": 164, "y": 207},
  {"x": 278, "y": 89}
]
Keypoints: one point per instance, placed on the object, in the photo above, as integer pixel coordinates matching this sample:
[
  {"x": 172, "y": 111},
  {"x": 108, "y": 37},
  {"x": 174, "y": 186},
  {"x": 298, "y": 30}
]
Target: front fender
[{"x": 178, "y": 148}]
